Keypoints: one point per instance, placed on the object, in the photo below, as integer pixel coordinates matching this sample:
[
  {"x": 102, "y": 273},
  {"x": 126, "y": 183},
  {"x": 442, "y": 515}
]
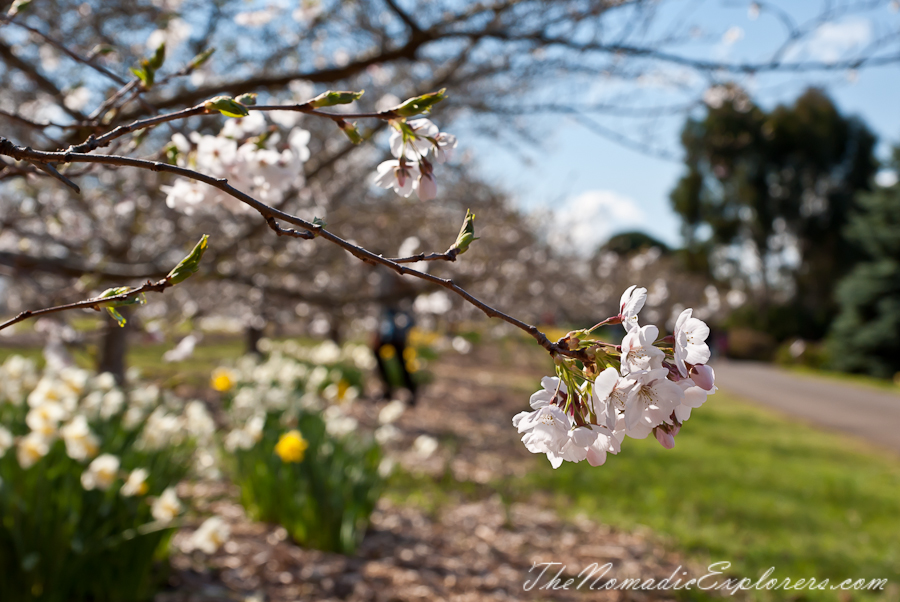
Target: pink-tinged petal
[
  {"x": 596, "y": 457},
  {"x": 704, "y": 377},
  {"x": 682, "y": 318},
  {"x": 665, "y": 439}
]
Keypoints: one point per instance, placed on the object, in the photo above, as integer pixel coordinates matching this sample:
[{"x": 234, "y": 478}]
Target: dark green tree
[
  {"x": 865, "y": 337},
  {"x": 779, "y": 185}
]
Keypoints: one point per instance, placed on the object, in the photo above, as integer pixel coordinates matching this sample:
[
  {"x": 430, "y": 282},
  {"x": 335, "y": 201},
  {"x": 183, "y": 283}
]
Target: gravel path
[{"x": 866, "y": 413}]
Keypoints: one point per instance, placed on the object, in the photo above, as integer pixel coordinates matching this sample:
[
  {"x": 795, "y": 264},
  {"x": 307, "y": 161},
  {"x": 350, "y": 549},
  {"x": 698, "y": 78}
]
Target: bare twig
[
  {"x": 92, "y": 303},
  {"x": 445, "y": 256},
  {"x": 62, "y": 48},
  {"x": 271, "y": 214}
]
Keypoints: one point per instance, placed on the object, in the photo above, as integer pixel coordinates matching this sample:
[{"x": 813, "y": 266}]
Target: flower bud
[
  {"x": 703, "y": 376},
  {"x": 226, "y": 106},
  {"x": 331, "y": 98}
]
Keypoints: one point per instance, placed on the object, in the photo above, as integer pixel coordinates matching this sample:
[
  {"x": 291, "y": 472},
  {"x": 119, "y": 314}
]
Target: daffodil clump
[
  {"x": 299, "y": 456},
  {"x": 87, "y": 477}
]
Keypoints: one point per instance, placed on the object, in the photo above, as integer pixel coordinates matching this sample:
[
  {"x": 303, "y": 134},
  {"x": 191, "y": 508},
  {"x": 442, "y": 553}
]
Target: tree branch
[
  {"x": 270, "y": 213},
  {"x": 92, "y": 303}
]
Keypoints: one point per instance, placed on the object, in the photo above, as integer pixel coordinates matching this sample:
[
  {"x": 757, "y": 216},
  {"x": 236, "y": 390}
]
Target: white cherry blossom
[
  {"x": 690, "y": 341},
  {"x": 608, "y": 396},
  {"x": 638, "y": 351},
  {"x": 401, "y": 178},
  {"x": 630, "y": 304},
  {"x": 650, "y": 401},
  {"x": 446, "y": 144}
]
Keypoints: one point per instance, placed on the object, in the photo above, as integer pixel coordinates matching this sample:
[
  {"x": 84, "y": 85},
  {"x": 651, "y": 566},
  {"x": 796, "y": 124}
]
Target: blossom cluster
[
  {"x": 411, "y": 141},
  {"x": 644, "y": 385},
  {"x": 252, "y": 159}
]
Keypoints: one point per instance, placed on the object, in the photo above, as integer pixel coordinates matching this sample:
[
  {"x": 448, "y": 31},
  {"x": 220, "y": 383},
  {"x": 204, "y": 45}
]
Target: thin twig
[
  {"x": 62, "y": 48},
  {"x": 92, "y": 303},
  {"x": 26, "y": 154}
]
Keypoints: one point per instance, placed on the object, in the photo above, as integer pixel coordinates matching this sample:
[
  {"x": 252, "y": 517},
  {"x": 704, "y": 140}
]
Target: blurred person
[{"x": 391, "y": 338}]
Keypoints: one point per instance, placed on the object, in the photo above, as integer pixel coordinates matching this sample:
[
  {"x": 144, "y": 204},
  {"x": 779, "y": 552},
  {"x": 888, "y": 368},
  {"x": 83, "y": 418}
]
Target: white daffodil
[
  {"x": 101, "y": 473},
  {"x": 136, "y": 483},
  {"x": 638, "y": 351},
  {"x": 391, "y": 412},
  {"x": 81, "y": 443},
  {"x": 630, "y": 304},
  {"x": 46, "y": 417},
  {"x": 401, "y": 177},
  {"x": 112, "y": 403},
  {"x": 210, "y": 536},
  {"x": 650, "y": 401},
  {"x": 32, "y": 447},
  {"x": 166, "y": 507},
  {"x": 608, "y": 396},
  {"x": 690, "y": 341}
]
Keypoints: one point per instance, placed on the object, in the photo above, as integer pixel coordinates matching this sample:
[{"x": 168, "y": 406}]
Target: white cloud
[
  {"x": 583, "y": 222},
  {"x": 833, "y": 41}
]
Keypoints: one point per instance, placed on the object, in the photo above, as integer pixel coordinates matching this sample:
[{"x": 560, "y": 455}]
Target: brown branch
[
  {"x": 92, "y": 303},
  {"x": 449, "y": 255},
  {"x": 62, "y": 48},
  {"x": 26, "y": 154},
  {"x": 94, "y": 142}
]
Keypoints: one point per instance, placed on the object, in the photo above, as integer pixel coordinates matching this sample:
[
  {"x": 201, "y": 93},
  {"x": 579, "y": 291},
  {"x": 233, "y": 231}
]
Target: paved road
[{"x": 866, "y": 413}]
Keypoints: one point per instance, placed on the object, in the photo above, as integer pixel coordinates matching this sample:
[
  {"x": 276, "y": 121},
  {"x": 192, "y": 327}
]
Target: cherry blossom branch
[
  {"x": 270, "y": 214},
  {"x": 95, "y": 142},
  {"x": 92, "y": 303}
]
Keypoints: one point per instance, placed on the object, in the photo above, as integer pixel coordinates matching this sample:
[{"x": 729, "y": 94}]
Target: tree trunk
[
  {"x": 114, "y": 346},
  {"x": 252, "y": 334}
]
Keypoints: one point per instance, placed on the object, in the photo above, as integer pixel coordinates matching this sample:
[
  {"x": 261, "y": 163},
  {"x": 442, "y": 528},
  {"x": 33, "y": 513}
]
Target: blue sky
[{"x": 597, "y": 187}]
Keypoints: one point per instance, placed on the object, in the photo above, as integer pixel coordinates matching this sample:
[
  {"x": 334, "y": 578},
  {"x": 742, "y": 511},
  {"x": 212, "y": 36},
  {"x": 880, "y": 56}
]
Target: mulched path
[{"x": 478, "y": 549}]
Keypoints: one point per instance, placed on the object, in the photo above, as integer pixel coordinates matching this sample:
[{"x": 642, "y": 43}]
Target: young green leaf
[
  {"x": 226, "y": 106},
  {"x": 190, "y": 264},
  {"x": 201, "y": 58},
  {"x": 158, "y": 58},
  {"x": 466, "y": 235},
  {"x": 332, "y": 97},
  {"x": 248, "y": 99},
  {"x": 350, "y": 130},
  {"x": 116, "y": 291},
  {"x": 420, "y": 104}
]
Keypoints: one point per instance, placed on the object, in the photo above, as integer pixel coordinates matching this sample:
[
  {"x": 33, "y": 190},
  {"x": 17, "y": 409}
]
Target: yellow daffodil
[
  {"x": 222, "y": 380},
  {"x": 291, "y": 447}
]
